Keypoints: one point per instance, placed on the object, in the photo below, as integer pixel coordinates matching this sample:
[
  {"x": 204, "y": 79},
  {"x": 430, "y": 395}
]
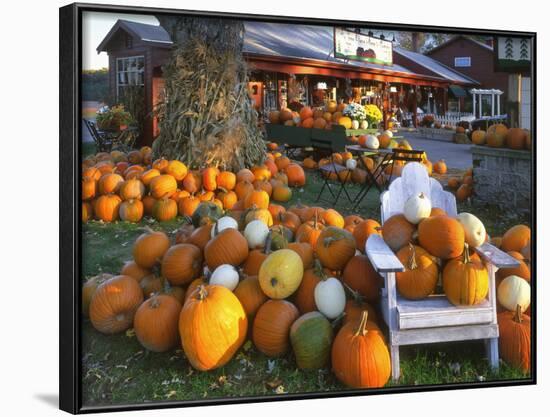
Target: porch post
[
  {"x": 480, "y": 105},
  {"x": 498, "y": 105},
  {"x": 474, "y": 104},
  {"x": 492, "y": 104}
]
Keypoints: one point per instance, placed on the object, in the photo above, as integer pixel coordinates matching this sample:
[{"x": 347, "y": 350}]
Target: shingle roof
[
  {"x": 456, "y": 37},
  {"x": 300, "y": 41},
  {"x": 152, "y": 34},
  {"x": 435, "y": 66}
]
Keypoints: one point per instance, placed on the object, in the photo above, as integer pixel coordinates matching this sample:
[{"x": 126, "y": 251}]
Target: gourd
[
  {"x": 474, "y": 230},
  {"x": 514, "y": 292},
  {"x": 281, "y": 273},
  {"x": 416, "y": 208},
  {"x": 212, "y": 327},
  {"x": 256, "y": 233},
  {"x": 226, "y": 276},
  {"x": 311, "y": 338},
  {"x": 330, "y": 297}
]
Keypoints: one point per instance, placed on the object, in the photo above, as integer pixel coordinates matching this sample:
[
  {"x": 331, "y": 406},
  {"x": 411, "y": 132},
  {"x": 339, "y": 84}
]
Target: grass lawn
[{"x": 118, "y": 370}]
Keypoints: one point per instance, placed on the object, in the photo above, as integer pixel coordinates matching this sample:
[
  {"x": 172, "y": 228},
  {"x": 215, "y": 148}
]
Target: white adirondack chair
[{"x": 434, "y": 319}]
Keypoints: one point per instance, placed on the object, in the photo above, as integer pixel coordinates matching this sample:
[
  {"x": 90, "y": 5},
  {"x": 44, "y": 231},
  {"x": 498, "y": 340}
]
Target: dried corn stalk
[{"x": 207, "y": 117}]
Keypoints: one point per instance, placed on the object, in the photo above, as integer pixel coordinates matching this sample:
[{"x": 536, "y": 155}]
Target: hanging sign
[
  {"x": 360, "y": 47},
  {"x": 512, "y": 54}
]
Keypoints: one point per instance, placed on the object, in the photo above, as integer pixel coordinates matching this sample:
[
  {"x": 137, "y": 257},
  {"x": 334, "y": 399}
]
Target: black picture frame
[{"x": 70, "y": 63}]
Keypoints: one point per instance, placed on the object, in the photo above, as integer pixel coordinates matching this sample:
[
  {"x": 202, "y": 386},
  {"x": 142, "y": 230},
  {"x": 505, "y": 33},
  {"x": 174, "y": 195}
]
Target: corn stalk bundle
[{"x": 206, "y": 115}]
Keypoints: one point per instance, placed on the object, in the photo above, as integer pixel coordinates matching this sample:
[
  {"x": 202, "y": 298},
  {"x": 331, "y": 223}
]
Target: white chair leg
[
  {"x": 491, "y": 345},
  {"x": 395, "y": 370}
]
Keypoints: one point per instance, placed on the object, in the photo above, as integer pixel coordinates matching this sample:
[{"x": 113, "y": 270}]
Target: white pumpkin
[
  {"x": 416, "y": 208},
  {"x": 351, "y": 164},
  {"x": 296, "y": 119},
  {"x": 364, "y": 124},
  {"x": 474, "y": 230},
  {"x": 226, "y": 276},
  {"x": 256, "y": 233},
  {"x": 355, "y": 124},
  {"x": 388, "y": 133},
  {"x": 330, "y": 297},
  {"x": 514, "y": 291},
  {"x": 372, "y": 142},
  {"x": 223, "y": 223}
]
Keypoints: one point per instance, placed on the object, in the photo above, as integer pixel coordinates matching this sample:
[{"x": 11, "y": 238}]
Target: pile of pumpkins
[
  {"x": 129, "y": 186},
  {"x": 436, "y": 247},
  {"x": 500, "y": 136},
  {"x": 302, "y": 284},
  {"x": 315, "y": 118},
  {"x": 463, "y": 188}
]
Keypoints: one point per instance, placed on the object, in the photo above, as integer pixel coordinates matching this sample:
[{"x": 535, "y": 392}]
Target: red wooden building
[
  {"x": 288, "y": 63},
  {"x": 474, "y": 59}
]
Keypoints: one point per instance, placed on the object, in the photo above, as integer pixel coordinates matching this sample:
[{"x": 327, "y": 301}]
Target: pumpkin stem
[
  {"x": 267, "y": 245},
  {"x": 362, "y": 329},
  {"x": 155, "y": 303},
  {"x": 518, "y": 317},
  {"x": 202, "y": 293},
  {"x": 412, "y": 257},
  {"x": 273, "y": 281},
  {"x": 356, "y": 297},
  {"x": 319, "y": 271},
  {"x": 466, "y": 258}
]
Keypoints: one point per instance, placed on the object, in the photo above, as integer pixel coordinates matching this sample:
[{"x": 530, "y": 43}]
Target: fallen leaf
[
  {"x": 171, "y": 394},
  {"x": 274, "y": 383},
  {"x": 130, "y": 333},
  {"x": 280, "y": 390}
]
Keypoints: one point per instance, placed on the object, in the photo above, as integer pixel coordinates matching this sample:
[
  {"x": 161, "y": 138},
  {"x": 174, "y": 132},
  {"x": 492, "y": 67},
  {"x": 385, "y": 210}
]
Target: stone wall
[
  {"x": 502, "y": 177},
  {"x": 429, "y": 133}
]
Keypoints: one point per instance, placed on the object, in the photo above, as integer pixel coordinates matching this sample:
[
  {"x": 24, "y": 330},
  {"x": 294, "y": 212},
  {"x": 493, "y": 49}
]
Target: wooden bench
[{"x": 434, "y": 319}]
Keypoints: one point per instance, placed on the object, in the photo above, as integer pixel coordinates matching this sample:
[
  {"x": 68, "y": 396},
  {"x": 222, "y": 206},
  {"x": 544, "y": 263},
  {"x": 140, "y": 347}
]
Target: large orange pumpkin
[
  {"x": 212, "y": 327},
  {"x": 363, "y": 230},
  {"x": 163, "y": 186},
  {"x": 360, "y": 357},
  {"x": 177, "y": 169},
  {"x": 442, "y": 236},
  {"x": 309, "y": 232},
  {"x": 516, "y": 238},
  {"x": 257, "y": 198},
  {"x": 109, "y": 183},
  {"x": 106, "y": 207},
  {"x": 156, "y": 323},
  {"x": 227, "y": 247},
  {"x": 514, "y": 340},
  {"x": 304, "y": 297},
  {"x": 181, "y": 264},
  {"x": 165, "y": 209},
  {"x": 88, "y": 188},
  {"x": 209, "y": 178},
  {"x": 465, "y": 280},
  {"x": 296, "y": 175},
  {"x": 188, "y": 205},
  {"x": 270, "y": 331},
  {"x": 335, "y": 247},
  {"x": 114, "y": 304},
  {"x": 132, "y": 189},
  {"x": 361, "y": 277},
  {"x": 250, "y": 295},
  {"x": 515, "y": 138},
  {"x": 305, "y": 250},
  {"x": 421, "y": 273},
  {"x": 88, "y": 290},
  {"x": 135, "y": 271},
  {"x": 149, "y": 248},
  {"x": 192, "y": 182},
  {"x": 398, "y": 232},
  {"x": 131, "y": 211}
]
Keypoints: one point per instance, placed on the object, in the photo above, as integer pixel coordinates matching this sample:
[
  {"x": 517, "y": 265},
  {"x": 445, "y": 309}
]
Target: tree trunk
[{"x": 207, "y": 117}]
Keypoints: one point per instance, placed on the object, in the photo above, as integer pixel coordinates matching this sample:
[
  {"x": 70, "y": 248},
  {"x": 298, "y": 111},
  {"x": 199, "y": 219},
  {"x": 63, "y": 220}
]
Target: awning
[{"x": 458, "y": 91}]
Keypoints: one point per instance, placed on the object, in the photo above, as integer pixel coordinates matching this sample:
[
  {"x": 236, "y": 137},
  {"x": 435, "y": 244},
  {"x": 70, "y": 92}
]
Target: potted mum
[
  {"x": 357, "y": 114},
  {"x": 115, "y": 118},
  {"x": 373, "y": 115}
]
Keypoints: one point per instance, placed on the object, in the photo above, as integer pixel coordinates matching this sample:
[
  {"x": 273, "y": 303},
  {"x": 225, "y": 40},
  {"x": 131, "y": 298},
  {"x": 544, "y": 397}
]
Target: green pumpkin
[
  {"x": 206, "y": 213},
  {"x": 311, "y": 338},
  {"x": 280, "y": 237}
]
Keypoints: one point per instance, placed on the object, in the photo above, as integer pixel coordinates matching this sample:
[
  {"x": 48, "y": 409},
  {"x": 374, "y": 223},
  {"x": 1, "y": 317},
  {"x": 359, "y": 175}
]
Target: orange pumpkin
[
  {"x": 192, "y": 182},
  {"x": 296, "y": 175},
  {"x": 282, "y": 162},
  {"x": 156, "y": 323},
  {"x": 165, "y": 209},
  {"x": 332, "y": 218},
  {"x": 421, "y": 273},
  {"x": 254, "y": 262},
  {"x": 363, "y": 230},
  {"x": 257, "y": 198},
  {"x": 515, "y": 138},
  {"x": 442, "y": 236},
  {"x": 88, "y": 188},
  {"x": 360, "y": 276},
  {"x": 106, "y": 207},
  {"x": 245, "y": 175},
  {"x": 200, "y": 236},
  {"x": 87, "y": 211},
  {"x": 163, "y": 186},
  {"x": 88, "y": 290},
  {"x": 135, "y": 271},
  {"x": 305, "y": 250},
  {"x": 309, "y": 232},
  {"x": 261, "y": 173},
  {"x": 148, "y": 203},
  {"x": 109, "y": 183},
  {"x": 177, "y": 169},
  {"x": 289, "y": 220},
  {"x": 114, "y": 304},
  {"x": 304, "y": 297},
  {"x": 212, "y": 327},
  {"x": 131, "y": 211},
  {"x": 514, "y": 341},
  {"x": 227, "y": 247},
  {"x": 440, "y": 167},
  {"x": 181, "y": 264},
  {"x": 270, "y": 331},
  {"x": 516, "y": 238},
  {"x": 398, "y": 232},
  {"x": 227, "y": 180},
  {"x": 243, "y": 188},
  {"x": 209, "y": 178},
  {"x": 149, "y": 248},
  {"x": 360, "y": 357},
  {"x": 335, "y": 247},
  {"x": 250, "y": 295},
  {"x": 188, "y": 205}
]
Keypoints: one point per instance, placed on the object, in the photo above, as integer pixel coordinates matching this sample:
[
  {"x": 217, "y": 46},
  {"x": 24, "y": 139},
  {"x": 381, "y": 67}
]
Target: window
[
  {"x": 129, "y": 72},
  {"x": 463, "y": 61}
]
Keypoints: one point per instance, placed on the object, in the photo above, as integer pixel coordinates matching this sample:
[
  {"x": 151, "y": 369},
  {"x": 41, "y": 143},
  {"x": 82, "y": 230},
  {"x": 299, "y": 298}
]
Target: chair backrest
[
  {"x": 333, "y": 140},
  {"x": 415, "y": 180},
  {"x": 289, "y": 135},
  {"x": 93, "y": 131}
]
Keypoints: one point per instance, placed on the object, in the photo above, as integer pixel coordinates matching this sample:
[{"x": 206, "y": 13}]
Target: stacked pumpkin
[
  {"x": 463, "y": 187},
  {"x": 499, "y": 136},
  {"x": 129, "y": 186},
  {"x": 514, "y": 298},
  {"x": 281, "y": 284},
  {"x": 316, "y": 118}
]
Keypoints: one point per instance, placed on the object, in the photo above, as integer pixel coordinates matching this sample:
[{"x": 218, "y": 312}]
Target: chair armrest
[
  {"x": 495, "y": 256},
  {"x": 381, "y": 256}
]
